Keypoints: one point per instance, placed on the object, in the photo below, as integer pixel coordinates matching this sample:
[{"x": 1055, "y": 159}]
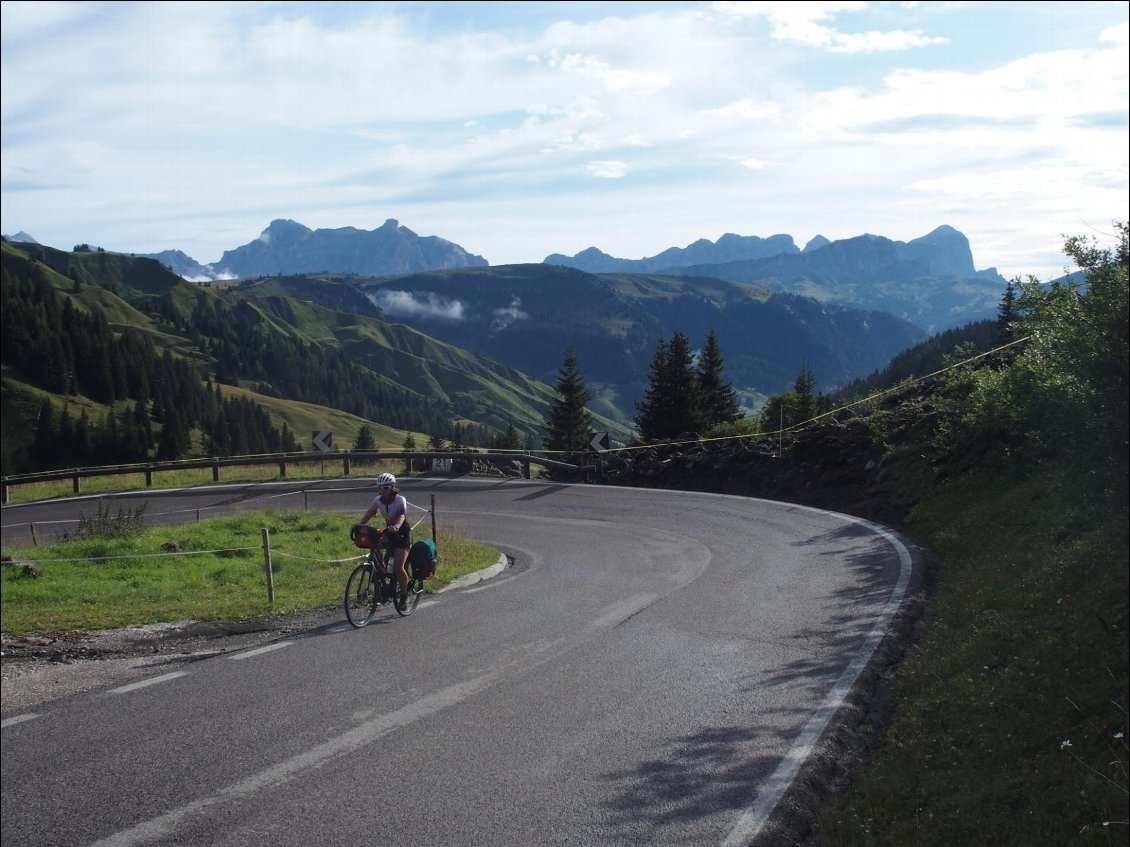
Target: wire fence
[{"x": 31, "y": 525}]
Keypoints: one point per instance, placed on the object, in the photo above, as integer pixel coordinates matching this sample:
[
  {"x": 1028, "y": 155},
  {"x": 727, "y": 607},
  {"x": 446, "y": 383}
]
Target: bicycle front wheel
[{"x": 360, "y": 596}]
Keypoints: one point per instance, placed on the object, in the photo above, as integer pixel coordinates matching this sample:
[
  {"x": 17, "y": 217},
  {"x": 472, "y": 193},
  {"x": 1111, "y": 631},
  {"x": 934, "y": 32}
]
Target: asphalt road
[{"x": 655, "y": 668}]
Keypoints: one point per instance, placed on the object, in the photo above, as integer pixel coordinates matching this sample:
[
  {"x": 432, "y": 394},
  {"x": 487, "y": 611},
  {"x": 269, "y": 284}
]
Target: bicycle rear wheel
[
  {"x": 412, "y": 602},
  {"x": 360, "y": 596}
]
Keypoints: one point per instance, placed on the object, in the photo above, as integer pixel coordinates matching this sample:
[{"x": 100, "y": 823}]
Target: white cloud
[
  {"x": 1116, "y": 34},
  {"x": 192, "y": 126},
  {"x": 399, "y": 304},
  {"x": 502, "y": 318},
  {"x": 802, "y": 23},
  {"x": 608, "y": 169}
]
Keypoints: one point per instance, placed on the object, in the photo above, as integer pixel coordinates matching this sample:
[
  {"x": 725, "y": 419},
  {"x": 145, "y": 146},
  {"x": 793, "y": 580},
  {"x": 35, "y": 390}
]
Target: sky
[{"x": 519, "y": 130}]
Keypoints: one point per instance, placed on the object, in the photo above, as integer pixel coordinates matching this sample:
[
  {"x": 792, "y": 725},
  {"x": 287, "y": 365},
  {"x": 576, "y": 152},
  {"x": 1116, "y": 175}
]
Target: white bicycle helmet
[{"x": 385, "y": 479}]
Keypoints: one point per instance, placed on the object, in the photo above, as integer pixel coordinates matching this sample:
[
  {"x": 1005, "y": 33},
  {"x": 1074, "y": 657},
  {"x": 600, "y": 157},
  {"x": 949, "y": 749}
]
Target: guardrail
[{"x": 283, "y": 459}]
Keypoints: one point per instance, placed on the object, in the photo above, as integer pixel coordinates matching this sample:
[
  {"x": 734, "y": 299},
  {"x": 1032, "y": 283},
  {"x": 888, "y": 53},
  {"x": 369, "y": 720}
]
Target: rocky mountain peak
[{"x": 288, "y": 247}]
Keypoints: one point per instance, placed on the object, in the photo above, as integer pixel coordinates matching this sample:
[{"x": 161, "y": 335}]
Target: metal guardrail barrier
[{"x": 347, "y": 458}]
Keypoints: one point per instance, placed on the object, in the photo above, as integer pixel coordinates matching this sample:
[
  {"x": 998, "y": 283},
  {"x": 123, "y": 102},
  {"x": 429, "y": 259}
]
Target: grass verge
[
  {"x": 218, "y": 574},
  {"x": 1010, "y": 718}
]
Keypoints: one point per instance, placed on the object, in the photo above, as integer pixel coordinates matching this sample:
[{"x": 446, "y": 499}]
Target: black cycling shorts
[{"x": 400, "y": 539}]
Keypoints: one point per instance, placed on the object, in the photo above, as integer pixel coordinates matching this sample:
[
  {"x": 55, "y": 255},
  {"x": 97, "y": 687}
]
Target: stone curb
[{"x": 478, "y": 576}]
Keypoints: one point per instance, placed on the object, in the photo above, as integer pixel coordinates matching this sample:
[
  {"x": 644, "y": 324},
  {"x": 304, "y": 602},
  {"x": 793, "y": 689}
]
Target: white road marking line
[
  {"x": 7, "y": 722},
  {"x": 259, "y": 650},
  {"x": 757, "y": 814},
  {"x": 147, "y": 682}
]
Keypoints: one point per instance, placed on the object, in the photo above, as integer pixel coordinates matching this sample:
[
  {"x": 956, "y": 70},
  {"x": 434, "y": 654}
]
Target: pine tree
[
  {"x": 509, "y": 440},
  {"x": 46, "y": 444},
  {"x": 569, "y": 424},
  {"x": 804, "y": 389},
  {"x": 651, "y": 412},
  {"x": 778, "y": 413},
  {"x": 1006, "y": 314},
  {"x": 718, "y": 402},
  {"x": 365, "y": 440},
  {"x": 670, "y": 406}
]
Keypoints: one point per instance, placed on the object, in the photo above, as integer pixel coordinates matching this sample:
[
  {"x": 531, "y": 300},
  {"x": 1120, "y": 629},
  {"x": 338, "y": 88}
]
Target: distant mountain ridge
[
  {"x": 930, "y": 281},
  {"x": 728, "y": 248},
  {"x": 289, "y": 247}
]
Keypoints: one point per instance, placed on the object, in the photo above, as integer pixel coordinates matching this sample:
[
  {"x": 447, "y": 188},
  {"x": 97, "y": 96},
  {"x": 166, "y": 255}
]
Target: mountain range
[
  {"x": 524, "y": 316},
  {"x": 841, "y": 308},
  {"x": 930, "y": 281}
]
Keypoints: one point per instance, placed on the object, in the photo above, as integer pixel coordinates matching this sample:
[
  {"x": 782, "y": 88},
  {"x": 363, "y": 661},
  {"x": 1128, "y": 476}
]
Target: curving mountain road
[{"x": 655, "y": 668}]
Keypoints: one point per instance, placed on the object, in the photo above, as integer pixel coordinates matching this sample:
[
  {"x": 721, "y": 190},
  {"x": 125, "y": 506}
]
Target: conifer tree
[
  {"x": 804, "y": 390},
  {"x": 1006, "y": 314},
  {"x": 569, "y": 425},
  {"x": 670, "y": 406},
  {"x": 46, "y": 433},
  {"x": 365, "y": 440},
  {"x": 509, "y": 440},
  {"x": 718, "y": 402}
]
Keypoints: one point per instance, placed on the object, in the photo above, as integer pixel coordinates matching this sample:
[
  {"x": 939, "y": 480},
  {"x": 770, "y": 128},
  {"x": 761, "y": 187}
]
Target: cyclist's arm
[{"x": 372, "y": 510}]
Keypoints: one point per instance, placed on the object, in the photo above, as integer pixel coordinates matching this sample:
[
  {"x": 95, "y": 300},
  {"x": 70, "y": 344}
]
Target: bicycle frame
[{"x": 373, "y": 583}]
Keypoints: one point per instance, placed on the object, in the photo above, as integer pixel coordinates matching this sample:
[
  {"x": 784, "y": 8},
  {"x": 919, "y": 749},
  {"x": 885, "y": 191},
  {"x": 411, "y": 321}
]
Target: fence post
[
  {"x": 267, "y": 566},
  {"x": 433, "y": 517}
]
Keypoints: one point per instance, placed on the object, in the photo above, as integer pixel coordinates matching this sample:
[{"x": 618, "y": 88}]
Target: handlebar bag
[{"x": 364, "y": 536}]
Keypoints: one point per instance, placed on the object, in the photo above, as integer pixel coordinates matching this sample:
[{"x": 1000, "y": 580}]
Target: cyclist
[{"x": 398, "y": 533}]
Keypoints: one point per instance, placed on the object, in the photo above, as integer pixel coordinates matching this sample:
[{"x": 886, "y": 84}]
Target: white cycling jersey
[{"x": 391, "y": 512}]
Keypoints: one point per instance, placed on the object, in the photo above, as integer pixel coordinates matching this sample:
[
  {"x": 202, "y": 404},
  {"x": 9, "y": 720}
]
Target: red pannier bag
[{"x": 364, "y": 536}]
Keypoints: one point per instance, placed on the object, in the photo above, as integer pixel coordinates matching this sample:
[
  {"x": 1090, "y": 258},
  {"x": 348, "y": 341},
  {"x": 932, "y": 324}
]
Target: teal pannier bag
[{"x": 422, "y": 558}]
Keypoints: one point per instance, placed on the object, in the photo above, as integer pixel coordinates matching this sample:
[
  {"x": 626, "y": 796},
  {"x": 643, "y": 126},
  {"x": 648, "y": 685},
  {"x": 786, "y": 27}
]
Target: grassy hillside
[
  {"x": 410, "y": 370},
  {"x": 1009, "y": 718}
]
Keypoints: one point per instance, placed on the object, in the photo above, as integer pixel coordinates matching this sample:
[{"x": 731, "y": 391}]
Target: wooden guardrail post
[
  {"x": 282, "y": 468},
  {"x": 215, "y": 471},
  {"x": 267, "y": 565},
  {"x": 345, "y": 466},
  {"x": 76, "y": 483},
  {"x": 433, "y": 517},
  {"x": 149, "y": 476}
]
